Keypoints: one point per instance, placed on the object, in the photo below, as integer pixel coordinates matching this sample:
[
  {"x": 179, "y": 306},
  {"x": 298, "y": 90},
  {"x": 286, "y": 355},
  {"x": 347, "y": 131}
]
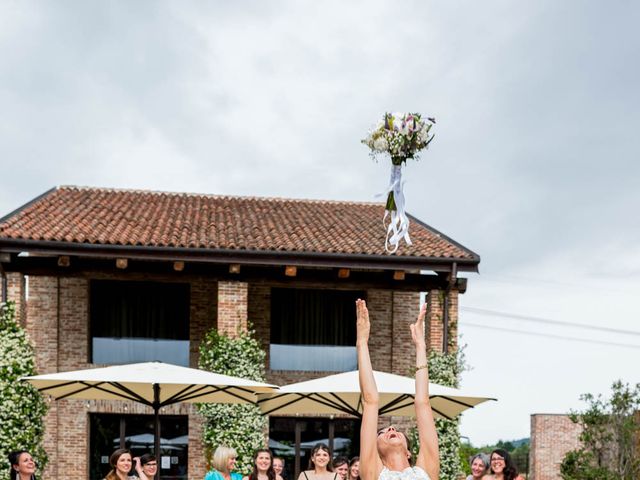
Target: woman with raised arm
[{"x": 384, "y": 454}]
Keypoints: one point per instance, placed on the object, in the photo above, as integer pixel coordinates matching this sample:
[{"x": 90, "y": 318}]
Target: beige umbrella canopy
[
  {"x": 341, "y": 394},
  {"x": 154, "y": 384}
]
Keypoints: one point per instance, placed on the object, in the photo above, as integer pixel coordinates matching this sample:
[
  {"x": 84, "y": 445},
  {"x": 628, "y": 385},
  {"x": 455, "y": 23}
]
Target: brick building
[
  {"x": 103, "y": 276},
  {"x": 552, "y": 436}
]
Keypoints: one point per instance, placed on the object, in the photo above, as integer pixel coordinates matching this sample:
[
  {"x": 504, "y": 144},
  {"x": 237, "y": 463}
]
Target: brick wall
[
  {"x": 552, "y": 436},
  {"x": 405, "y": 306},
  {"x": 435, "y": 320},
  {"x": 57, "y": 323},
  {"x": 41, "y": 324},
  {"x": 380, "y": 305},
  {"x": 16, "y": 292},
  {"x": 56, "y": 317},
  {"x": 232, "y": 307},
  {"x": 204, "y": 311}
]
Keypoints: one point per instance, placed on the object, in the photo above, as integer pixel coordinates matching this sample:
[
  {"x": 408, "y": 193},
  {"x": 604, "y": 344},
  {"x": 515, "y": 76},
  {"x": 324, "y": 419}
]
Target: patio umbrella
[
  {"x": 154, "y": 384},
  {"x": 341, "y": 394}
]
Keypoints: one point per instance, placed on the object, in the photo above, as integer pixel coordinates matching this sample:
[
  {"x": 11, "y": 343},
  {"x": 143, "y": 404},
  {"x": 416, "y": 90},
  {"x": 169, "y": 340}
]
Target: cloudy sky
[{"x": 535, "y": 165}]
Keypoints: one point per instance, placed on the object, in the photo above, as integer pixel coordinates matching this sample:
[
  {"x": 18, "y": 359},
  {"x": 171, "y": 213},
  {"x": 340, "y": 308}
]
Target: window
[
  {"x": 313, "y": 330},
  {"x": 139, "y": 322},
  {"x": 135, "y": 432}
]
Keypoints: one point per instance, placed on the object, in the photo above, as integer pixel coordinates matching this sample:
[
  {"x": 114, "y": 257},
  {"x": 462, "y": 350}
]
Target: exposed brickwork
[
  {"x": 60, "y": 331},
  {"x": 232, "y": 307},
  {"x": 74, "y": 324},
  {"x": 259, "y": 312},
  {"x": 405, "y": 311},
  {"x": 435, "y": 320},
  {"x": 204, "y": 312},
  {"x": 453, "y": 320},
  {"x": 380, "y": 304},
  {"x": 434, "y": 326},
  {"x": 42, "y": 321},
  {"x": 16, "y": 293},
  {"x": 197, "y": 456},
  {"x": 552, "y": 436}
]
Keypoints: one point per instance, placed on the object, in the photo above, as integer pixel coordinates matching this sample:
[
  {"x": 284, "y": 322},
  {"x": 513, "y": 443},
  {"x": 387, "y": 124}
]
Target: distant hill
[{"x": 508, "y": 444}]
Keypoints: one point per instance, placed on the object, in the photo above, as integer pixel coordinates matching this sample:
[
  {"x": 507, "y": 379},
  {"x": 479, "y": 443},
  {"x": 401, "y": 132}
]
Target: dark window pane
[
  {"x": 282, "y": 441},
  {"x": 139, "y": 321},
  {"x": 137, "y": 434},
  {"x": 104, "y": 430},
  {"x": 313, "y": 317},
  {"x": 313, "y": 330}
]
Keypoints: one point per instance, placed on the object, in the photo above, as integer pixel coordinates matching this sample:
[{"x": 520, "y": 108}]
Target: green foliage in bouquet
[{"x": 401, "y": 136}]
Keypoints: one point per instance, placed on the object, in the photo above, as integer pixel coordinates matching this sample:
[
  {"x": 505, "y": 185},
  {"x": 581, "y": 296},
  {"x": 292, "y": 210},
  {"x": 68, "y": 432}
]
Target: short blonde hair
[{"x": 221, "y": 458}]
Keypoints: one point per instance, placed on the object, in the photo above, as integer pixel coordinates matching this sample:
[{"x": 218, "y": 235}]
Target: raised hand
[
  {"x": 417, "y": 329},
  {"x": 362, "y": 323}
]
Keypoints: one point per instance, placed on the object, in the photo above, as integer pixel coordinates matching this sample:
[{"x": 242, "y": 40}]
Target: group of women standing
[
  {"x": 385, "y": 453},
  {"x": 23, "y": 467},
  {"x": 266, "y": 467}
]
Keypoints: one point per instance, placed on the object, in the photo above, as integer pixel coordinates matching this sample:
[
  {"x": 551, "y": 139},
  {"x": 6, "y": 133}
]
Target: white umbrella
[
  {"x": 341, "y": 394},
  {"x": 154, "y": 384}
]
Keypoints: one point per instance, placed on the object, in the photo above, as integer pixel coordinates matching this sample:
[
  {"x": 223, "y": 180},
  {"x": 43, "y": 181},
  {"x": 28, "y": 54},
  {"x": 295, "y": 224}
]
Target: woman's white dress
[{"x": 409, "y": 473}]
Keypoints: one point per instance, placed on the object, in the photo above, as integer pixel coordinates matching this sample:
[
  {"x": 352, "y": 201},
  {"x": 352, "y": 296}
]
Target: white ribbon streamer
[{"x": 398, "y": 227}]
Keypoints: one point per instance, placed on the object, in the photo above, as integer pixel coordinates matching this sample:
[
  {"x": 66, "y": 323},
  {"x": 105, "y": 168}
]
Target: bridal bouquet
[{"x": 401, "y": 136}]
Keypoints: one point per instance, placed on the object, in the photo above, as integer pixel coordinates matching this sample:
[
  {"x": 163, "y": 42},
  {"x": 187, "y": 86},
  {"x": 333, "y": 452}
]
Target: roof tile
[{"x": 145, "y": 218}]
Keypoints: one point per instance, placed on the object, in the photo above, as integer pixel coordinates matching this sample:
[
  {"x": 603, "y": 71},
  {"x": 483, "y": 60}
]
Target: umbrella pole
[{"x": 156, "y": 421}]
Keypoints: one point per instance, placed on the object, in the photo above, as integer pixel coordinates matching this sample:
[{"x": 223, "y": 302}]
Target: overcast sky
[{"x": 535, "y": 164}]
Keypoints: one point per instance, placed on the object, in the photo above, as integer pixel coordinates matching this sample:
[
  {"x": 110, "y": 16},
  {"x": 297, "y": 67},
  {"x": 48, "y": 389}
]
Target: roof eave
[{"x": 254, "y": 257}]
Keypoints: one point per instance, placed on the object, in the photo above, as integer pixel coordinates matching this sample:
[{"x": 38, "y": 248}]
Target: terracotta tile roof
[{"x": 100, "y": 216}]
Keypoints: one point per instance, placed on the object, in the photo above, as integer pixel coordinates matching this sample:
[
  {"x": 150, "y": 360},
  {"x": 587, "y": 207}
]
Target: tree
[
  {"x": 609, "y": 447},
  {"x": 22, "y": 408},
  {"x": 239, "y": 426}
]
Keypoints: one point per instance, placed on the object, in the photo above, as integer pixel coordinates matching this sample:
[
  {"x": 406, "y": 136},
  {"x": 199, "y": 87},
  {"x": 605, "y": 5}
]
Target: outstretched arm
[
  {"x": 370, "y": 463},
  {"x": 428, "y": 455}
]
